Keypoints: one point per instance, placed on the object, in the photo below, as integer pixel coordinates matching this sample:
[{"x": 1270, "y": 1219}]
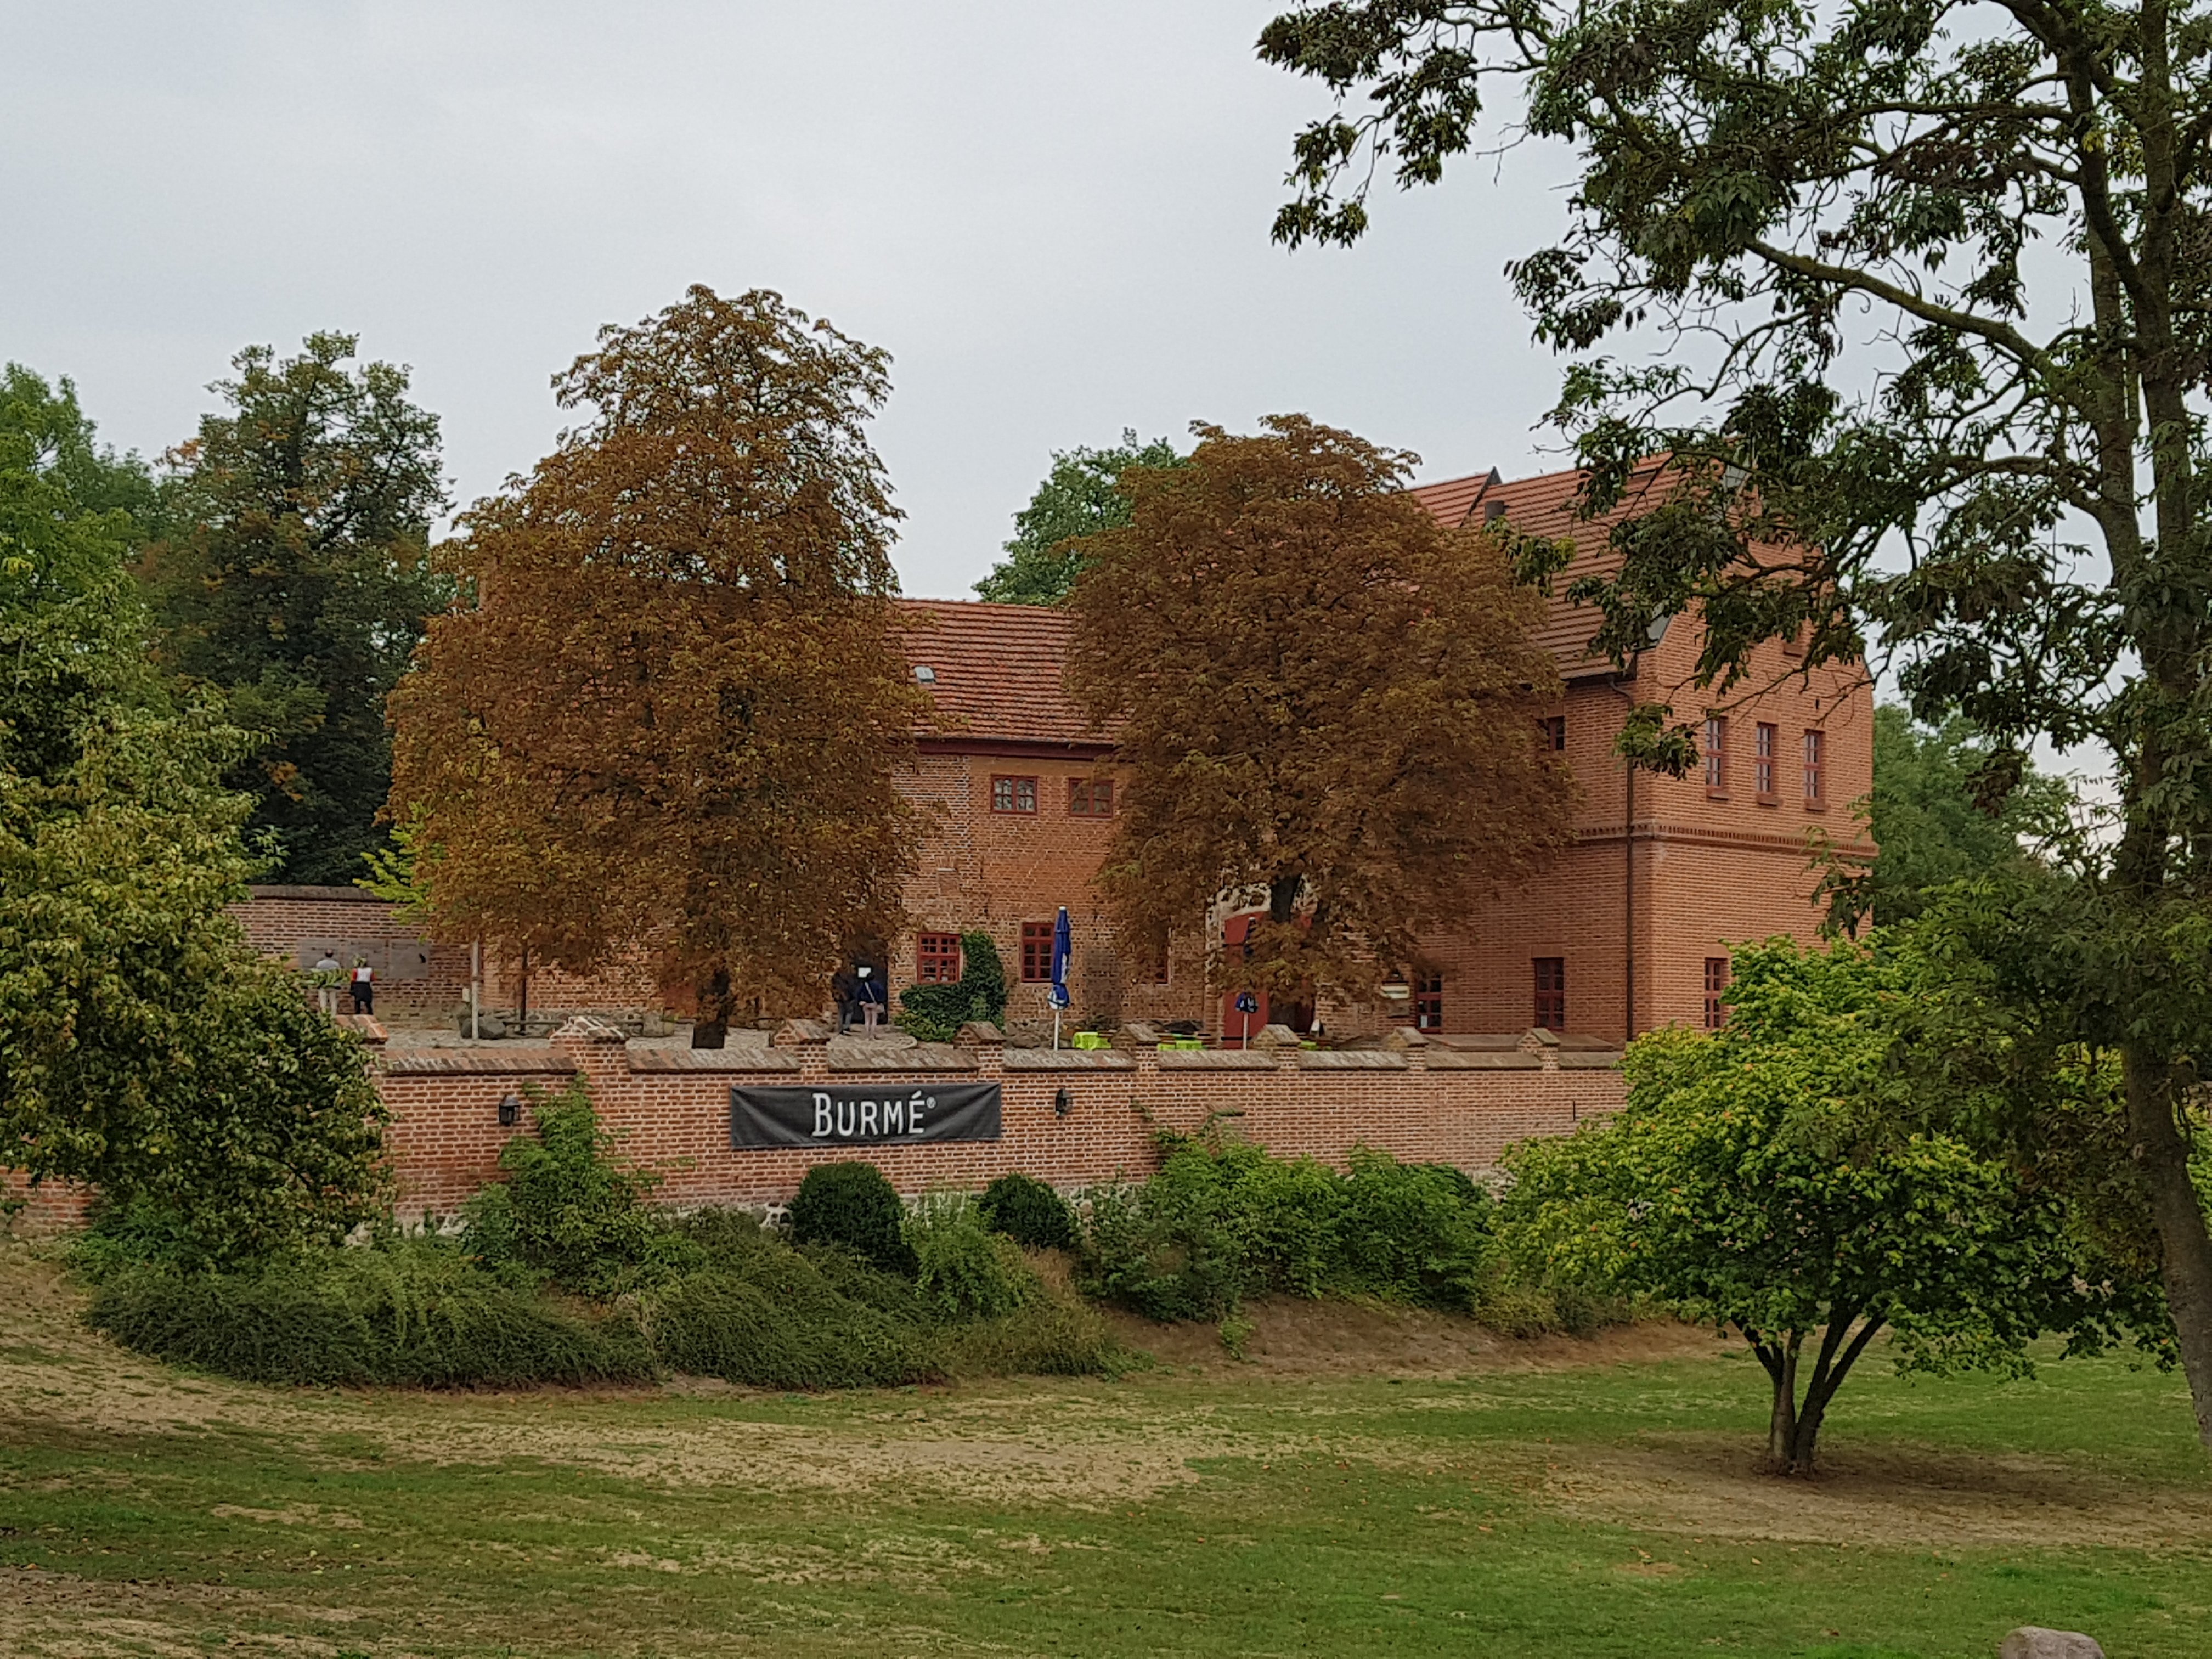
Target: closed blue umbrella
[{"x": 1063, "y": 947}]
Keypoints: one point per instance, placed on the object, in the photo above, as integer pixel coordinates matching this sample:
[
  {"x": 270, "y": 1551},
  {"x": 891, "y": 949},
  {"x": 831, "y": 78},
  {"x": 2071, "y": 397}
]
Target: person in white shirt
[{"x": 364, "y": 987}]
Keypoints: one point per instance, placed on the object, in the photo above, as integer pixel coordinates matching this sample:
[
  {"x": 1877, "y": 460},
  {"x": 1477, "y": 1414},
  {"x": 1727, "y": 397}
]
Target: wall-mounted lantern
[
  {"x": 510, "y": 1111},
  {"x": 1063, "y": 1103}
]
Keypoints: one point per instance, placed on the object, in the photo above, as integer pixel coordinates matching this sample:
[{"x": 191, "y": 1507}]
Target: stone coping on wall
[
  {"x": 1068, "y": 1059},
  {"x": 1351, "y": 1060},
  {"x": 1484, "y": 1060},
  {"x": 864, "y": 1056},
  {"x": 738, "y": 1057},
  {"x": 1215, "y": 1060},
  {"x": 319, "y": 895},
  {"x": 476, "y": 1062},
  {"x": 1602, "y": 1060}
]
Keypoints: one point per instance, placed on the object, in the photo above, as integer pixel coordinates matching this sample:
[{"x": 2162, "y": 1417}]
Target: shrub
[
  {"x": 1216, "y": 1225},
  {"x": 963, "y": 1270},
  {"x": 852, "y": 1205},
  {"x": 1160, "y": 1248},
  {"x": 416, "y": 1313},
  {"x": 1413, "y": 1232},
  {"x": 1027, "y": 1211},
  {"x": 569, "y": 1209},
  {"x": 1048, "y": 1337},
  {"x": 777, "y": 1321},
  {"x": 935, "y": 1013}
]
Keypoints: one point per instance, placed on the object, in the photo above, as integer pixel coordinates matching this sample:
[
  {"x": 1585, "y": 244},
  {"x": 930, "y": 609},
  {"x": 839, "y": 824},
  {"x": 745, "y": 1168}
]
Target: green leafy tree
[
  {"x": 141, "y": 1047},
  {"x": 1771, "y": 1177},
  {"x": 1933, "y": 831},
  {"x": 1915, "y": 297},
  {"x": 292, "y": 575},
  {"x": 1079, "y": 497}
]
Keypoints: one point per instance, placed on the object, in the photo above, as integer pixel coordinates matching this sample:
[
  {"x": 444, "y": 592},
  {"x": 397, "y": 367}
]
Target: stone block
[{"x": 2034, "y": 1641}]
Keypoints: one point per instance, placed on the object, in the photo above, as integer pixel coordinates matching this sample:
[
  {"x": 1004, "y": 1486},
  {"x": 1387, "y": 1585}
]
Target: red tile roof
[
  {"x": 997, "y": 670},
  {"x": 1545, "y": 506},
  {"x": 997, "y": 667}
]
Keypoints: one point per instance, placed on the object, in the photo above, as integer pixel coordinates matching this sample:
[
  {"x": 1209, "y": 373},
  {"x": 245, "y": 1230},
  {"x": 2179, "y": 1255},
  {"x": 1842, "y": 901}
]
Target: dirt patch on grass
[
  {"x": 1289, "y": 1337},
  {"x": 1711, "y": 1486}
]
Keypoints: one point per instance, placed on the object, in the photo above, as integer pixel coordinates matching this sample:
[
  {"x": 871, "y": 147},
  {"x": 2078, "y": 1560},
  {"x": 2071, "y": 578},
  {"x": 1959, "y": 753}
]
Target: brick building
[{"x": 1629, "y": 930}]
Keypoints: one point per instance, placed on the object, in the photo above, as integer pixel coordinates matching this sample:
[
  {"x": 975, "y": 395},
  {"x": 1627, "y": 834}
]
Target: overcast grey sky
[{"x": 1053, "y": 213}]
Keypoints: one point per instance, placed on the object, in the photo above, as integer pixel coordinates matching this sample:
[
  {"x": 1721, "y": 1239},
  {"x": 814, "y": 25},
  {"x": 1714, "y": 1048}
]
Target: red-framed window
[
  {"x": 1764, "y": 760},
  {"x": 1716, "y": 755},
  {"x": 936, "y": 958},
  {"x": 1036, "y": 952},
  {"x": 1554, "y": 727},
  {"x": 1091, "y": 797},
  {"x": 1014, "y": 795},
  {"x": 1717, "y": 982},
  {"x": 1429, "y": 1002},
  {"x": 1551, "y": 975},
  {"x": 1816, "y": 768}
]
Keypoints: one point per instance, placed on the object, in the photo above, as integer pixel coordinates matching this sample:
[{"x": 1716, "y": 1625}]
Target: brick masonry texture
[{"x": 673, "y": 1110}]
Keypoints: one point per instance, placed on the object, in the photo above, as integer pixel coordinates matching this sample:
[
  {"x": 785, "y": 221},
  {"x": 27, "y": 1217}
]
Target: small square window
[
  {"x": 1036, "y": 952},
  {"x": 1551, "y": 975},
  {"x": 1014, "y": 795},
  {"x": 1716, "y": 756},
  {"x": 1091, "y": 797},
  {"x": 1717, "y": 982},
  {"x": 936, "y": 958},
  {"x": 1763, "y": 763},
  {"x": 1429, "y": 1002},
  {"x": 1816, "y": 780}
]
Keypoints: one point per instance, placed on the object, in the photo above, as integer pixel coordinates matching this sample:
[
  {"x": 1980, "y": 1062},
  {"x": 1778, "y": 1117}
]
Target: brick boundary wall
[
  {"x": 672, "y": 1107},
  {"x": 1418, "y": 1102}
]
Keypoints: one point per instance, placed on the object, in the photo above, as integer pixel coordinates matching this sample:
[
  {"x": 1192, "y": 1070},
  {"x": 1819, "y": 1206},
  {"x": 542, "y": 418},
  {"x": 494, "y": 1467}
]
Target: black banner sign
[{"x": 866, "y": 1114}]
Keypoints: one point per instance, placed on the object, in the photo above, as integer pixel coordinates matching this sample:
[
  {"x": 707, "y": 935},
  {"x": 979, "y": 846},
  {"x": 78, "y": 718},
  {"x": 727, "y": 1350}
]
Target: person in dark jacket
[{"x": 845, "y": 987}]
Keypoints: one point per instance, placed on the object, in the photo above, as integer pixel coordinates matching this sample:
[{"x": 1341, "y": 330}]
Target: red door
[{"x": 1237, "y": 1023}]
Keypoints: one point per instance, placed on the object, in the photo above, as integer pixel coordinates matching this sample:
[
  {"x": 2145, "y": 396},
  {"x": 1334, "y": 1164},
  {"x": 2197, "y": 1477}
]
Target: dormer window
[{"x": 924, "y": 674}]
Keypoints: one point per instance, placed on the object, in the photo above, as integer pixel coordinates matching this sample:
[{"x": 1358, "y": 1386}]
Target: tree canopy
[
  {"x": 141, "y": 1047},
  {"x": 291, "y": 575},
  {"x": 1320, "y": 694},
  {"x": 1914, "y": 295},
  {"x": 674, "y": 713},
  {"x": 1931, "y": 830},
  {"x": 1772, "y": 1177},
  {"x": 1079, "y": 497}
]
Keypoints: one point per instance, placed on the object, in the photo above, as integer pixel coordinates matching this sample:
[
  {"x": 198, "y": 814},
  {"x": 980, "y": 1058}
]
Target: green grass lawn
[{"x": 1602, "y": 1509}]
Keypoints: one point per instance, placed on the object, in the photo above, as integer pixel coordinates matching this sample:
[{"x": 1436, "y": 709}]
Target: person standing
[
  {"x": 869, "y": 995},
  {"x": 327, "y": 974},
  {"x": 364, "y": 987},
  {"x": 846, "y": 989}
]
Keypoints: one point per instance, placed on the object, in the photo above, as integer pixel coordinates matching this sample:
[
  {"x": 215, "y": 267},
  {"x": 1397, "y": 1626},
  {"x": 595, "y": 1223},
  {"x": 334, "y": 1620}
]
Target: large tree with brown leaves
[
  {"x": 1321, "y": 694},
  {"x": 673, "y": 713}
]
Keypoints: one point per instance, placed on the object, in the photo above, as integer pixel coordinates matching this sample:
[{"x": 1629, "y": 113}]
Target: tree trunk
[
  {"x": 711, "y": 1030},
  {"x": 2185, "y": 1246},
  {"x": 1283, "y": 899},
  {"x": 1781, "y": 1363}
]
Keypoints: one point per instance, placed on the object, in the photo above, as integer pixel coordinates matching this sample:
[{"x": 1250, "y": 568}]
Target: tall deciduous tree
[
  {"x": 291, "y": 575},
  {"x": 1079, "y": 497},
  {"x": 1930, "y": 285},
  {"x": 673, "y": 716},
  {"x": 141, "y": 1047},
  {"x": 1932, "y": 829},
  {"x": 1321, "y": 694}
]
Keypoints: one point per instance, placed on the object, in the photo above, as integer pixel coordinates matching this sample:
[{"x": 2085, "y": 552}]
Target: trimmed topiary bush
[
  {"x": 852, "y": 1205},
  {"x": 1027, "y": 1211}
]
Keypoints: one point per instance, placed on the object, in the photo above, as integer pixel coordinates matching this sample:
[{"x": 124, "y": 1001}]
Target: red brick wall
[
  {"x": 419, "y": 976},
  {"x": 1458, "y": 1110}
]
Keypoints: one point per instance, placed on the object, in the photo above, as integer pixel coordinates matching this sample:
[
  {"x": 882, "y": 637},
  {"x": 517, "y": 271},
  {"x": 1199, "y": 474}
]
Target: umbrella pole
[{"x": 1056, "y": 1028}]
